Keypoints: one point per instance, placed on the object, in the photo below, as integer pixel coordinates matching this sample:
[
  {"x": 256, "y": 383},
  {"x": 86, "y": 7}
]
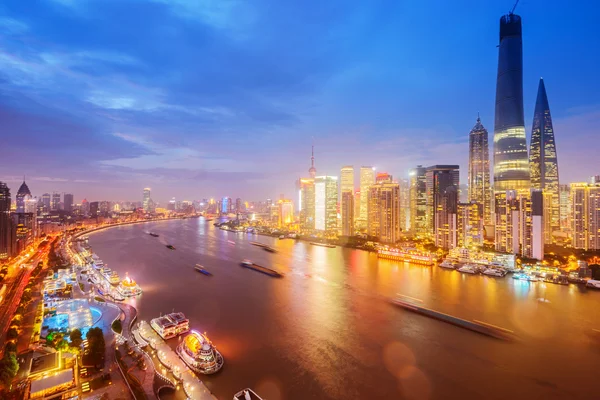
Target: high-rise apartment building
[
  {"x": 585, "y": 208},
  {"x": 383, "y": 208},
  {"x": 543, "y": 164},
  {"x": 326, "y": 196},
  {"x": 307, "y": 203},
  {"x": 46, "y": 198},
  {"x": 479, "y": 188},
  {"x": 146, "y": 200},
  {"x": 285, "y": 212},
  {"x": 347, "y": 209},
  {"x": 565, "y": 207},
  {"x": 511, "y": 164},
  {"x": 367, "y": 178},
  {"x": 68, "y": 202},
  {"x": 55, "y": 202},
  {"x": 404, "y": 204},
  {"x": 6, "y": 225},
  {"x": 446, "y": 218},
  {"x": 470, "y": 224},
  {"x": 507, "y": 221},
  {"x": 347, "y": 179},
  {"x": 438, "y": 178},
  {"x": 418, "y": 200},
  {"x": 94, "y": 209}
]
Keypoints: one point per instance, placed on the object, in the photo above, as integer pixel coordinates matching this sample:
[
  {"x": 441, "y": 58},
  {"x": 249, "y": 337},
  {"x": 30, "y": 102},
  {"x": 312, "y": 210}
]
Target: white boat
[
  {"x": 247, "y": 262},
  {"x": 447, "y": 264},
  {"x": 171, "y": 325},
  {"x": 246, "y": 394},
  {"x": 468, "y": 269},
  {"x": 595, "y": 284},
  {"x": 494, "y": 272}
]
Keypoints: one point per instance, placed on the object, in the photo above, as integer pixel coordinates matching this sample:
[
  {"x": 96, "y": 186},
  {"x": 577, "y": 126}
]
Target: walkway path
[{"x": 194, "y": 388}]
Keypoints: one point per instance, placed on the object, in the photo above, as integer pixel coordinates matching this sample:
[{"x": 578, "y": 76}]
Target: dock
[
  {"x": 194, "y": 388},
  {"x": 475, "y": 326}
]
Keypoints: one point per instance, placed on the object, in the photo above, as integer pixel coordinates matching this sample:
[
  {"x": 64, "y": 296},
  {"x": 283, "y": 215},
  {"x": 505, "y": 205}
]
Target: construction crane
[{"x": 513, "y": 9}]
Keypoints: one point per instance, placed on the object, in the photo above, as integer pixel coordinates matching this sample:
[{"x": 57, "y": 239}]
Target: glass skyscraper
[
  {"x": 511, "y": 163},
  {"x": 479, "y": 169},
  {"x": 542, "y": 158}
]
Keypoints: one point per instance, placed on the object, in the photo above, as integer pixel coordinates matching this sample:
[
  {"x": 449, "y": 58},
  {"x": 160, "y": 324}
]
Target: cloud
[{"x": 11, "y": 26}]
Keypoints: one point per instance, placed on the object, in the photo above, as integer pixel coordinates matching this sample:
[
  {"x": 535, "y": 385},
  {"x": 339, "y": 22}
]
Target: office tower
[
  {"x": 239, "y": 206},
  {"x": 94, "y": 208},
  {"x": 85, "y": 207},
  {"x": 285, "y": 213},
  {"x": 171, "y": 205},
  {"x": 585, "y": 208},
  {"x": 543, "y": 164},
  {"x": 595, "y": 179},
  {"x": 470, "y": 224},
  {"x": 404, "y": 204},
  {"x": 326, "y": 196},
  {"x": 23, "y": 195},
  {"x": 479, "y": 188},
  {"x": 146, "y": 200},
  {"x": 55, "y": 206},
  {"x": 437, "y": 179},
  {"x": 445, "y": 216},
  {"x": 511, "y": 164},
  {"x": 347, "y": 213},
  {"x": 307, "y": 203},
  {"x": 565, "y": 207},
  {"x": 6, "y": 225},
  {"x": 507, "y": 221},
  {"x": 68, "y": 202},
  {"x": 347, "y": 179},
  {"x": 367, "y": 178},
  {"x": 274, "y": 213},
  {"x": 383, "y": 177},
  {"x": 418, "y": 200},
  {"x": 383, "y": 207},
  {"x": 531, "y": 224},
  {"x": 356, "y": 206},
  {"x": 46, "y": 202},
  {"x": 225, "y": 204}
]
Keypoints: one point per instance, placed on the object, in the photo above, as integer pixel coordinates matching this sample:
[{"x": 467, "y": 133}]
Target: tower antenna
[{"x": 514, "y": 7}]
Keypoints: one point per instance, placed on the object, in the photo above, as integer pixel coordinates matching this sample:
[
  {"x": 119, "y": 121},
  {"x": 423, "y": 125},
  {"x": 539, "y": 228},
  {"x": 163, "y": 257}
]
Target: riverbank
[{"x": 100, "y": 228}]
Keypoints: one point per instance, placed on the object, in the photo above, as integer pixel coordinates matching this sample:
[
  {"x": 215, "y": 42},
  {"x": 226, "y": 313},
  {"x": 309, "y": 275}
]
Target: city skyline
[{"x": 123, "y": 133}]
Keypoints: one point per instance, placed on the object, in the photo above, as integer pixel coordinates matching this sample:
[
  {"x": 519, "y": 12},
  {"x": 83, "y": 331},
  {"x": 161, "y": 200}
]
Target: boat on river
[
  {"x": 171, "y": 247},
  {"x": 594, "y": 284},
  {"x": 323, "y": 244},
  {"x": 267, "y": 271},
  {"x": 447, "y": 264},
  {"x": 269, "y": 249},
  {"x": 494, "y": 272},
  {"x": 202, "y": 270},
  {"x": 198, "y": 352},
  {"x": 468, "y": 269},
  {"x": 246, "y": 394},
  {"x": 153, "y": 234}
]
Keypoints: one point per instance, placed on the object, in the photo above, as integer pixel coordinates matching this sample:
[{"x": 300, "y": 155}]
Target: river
[{"x": 327, "y": 330}]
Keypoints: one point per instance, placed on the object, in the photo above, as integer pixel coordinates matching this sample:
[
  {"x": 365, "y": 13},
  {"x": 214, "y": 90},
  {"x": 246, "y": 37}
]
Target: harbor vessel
[
  {"x": 246, "y": 394},
  {"x": 171, "y": 247},
  {"x": 111, "y": 276},
  {"x": 494, "y": 272},
  {"x": 448, "y": 264},
  {"x": 323, "y": 244},
  {"x": 592, "y": 283},
  {"x": 153, "y": 234},
  {"x": 202, "y": 270},
  {"x": 267, "y": 271},
  {"x": 128, "y": 287},
  {"x": 468, "y": 269},
  {"x": 198, "y": 352},
  {"x": 411, "y": 255},
  {"x": 170, "y": 325},
  {"x": 269, "y": 249}
]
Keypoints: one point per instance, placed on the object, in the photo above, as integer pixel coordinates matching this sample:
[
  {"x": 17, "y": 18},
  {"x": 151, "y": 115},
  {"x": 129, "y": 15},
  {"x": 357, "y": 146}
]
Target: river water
[{"x": 327, "y": 330}]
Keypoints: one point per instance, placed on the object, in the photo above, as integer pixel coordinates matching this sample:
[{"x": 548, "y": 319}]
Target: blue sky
[{"x": 207, "y": 98}]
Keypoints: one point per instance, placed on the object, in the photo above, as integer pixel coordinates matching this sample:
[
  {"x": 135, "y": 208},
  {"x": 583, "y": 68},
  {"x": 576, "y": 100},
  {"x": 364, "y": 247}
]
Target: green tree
[
  {"x": 76, "y": 338},
  {"x": 8, "y": 368},
  {"x": 97, "y": 346},
  {"x": 12, "y": 333}
]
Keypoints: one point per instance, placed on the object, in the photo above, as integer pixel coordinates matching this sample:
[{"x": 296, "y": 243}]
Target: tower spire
[{"x": 312, "y": 170}]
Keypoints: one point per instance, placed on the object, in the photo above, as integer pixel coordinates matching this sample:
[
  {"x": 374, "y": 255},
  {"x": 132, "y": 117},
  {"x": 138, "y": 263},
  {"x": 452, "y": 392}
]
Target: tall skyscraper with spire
[
  {"x": 511, "y": 164},
  {"x": 312, "y": 171},
  {"x": 480, "y": 190},
  {"x": 307, "y": 196},
  {"x": 543, "y": 163}
]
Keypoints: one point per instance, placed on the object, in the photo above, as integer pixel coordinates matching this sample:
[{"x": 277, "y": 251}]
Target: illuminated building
[
  {"x": 507, "y": 221},
  {"x": 199, "y": 353},
  {"x": 511, "y": 164},
  {"x": 383, "y": 177},
  {"x": 356, "y": 205},
  {"x": 565, "y": 207},
  {"x": 347, "y": 213},
  {"x": 55, "y": 201},
  {"x": 585, "y": 217},
  {"x": 307, "y": 203},
  {"x": 68, "y": 202},
  {"x": 239, "y": 206},
  {"x": 94, "y": 206},
  {"x": 7, "y": 239},
  {"x": 418, "y": 200},
  {"x": 312, "y": 171},
  {"x": 23, "y": 194},
  {"x": 480, "y": 190},
  {"x": 470, "y": 224},
  {"x": 384, "y": 211},
  {"x": 146, "y": 200},
  {"x": 326, "y": 195},
  {"x": 437, "y": 179},
  {"x": 171, "y": 325},
  {"x": 46, "y": 202},
  {"x": 225, "y": 205},
  {"x": 404, "y": 204},
  {"x": 531, "y": 229},
  {"x": 347, "y": 179},
  {"x": 543, "y": 164},
  {"x": 367, "y": 178},
  {"x": 172, "y": 204},
  {"x": 445, "y": 218},
  {"x": 286, "y": 212}
]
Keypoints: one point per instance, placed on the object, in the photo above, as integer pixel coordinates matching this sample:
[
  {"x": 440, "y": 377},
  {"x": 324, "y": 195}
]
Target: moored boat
[
  {"x": 153, "y": 234},
  {"x": 267, "y": 271},
  {"x": 198, "y": 352},
  {"x": 494, "y": 272},
  {"x": 468, "y": 269},
  {"x": 170, "y": 325},
  {"x": 592, "y": 283},
  {"x": 171, "y": 247},
  {"x": 323, "y": 244},
  {"x": 447, "y": 264},
  {"x": 269, "y": 249}
]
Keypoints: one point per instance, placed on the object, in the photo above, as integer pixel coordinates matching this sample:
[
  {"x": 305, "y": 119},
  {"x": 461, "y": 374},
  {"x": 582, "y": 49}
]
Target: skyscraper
[
  {"x": 46, "y": 202},
  {"x": 312, "y": 171},
  {"x": 404, "y": 204},
  {"x": 480, "y": 190},
  {"x": 326, "y": 196},
  {"x": 384, "y": 211},
  {"x": 68, "y": 202},
  {"x": 585, "y": 208},
  {"x": 23, "y": 195},
  {"x": 507, "y": 221},
  {"x": 55, "y": 201},
  {"x": 511, "y": 164},
  {"x": 565, "y": 207},
  {"x": 531, "y": 229},
  {"x": 146, "y": 200},
  {"x": 286, "y": 213},
  {"x": 543, "y": 163},
  {"x": 446, "y": 222},
  {"x": 347, "y": 179},
  {"x": 347, "y": 213},
  {"x": 367, "y": 178},
  {"x": 438, "y": 178},
  {"x": 418, "y": 200},
  {"x": 6, "y": 229},
  {"x": 307, "y": 203}
]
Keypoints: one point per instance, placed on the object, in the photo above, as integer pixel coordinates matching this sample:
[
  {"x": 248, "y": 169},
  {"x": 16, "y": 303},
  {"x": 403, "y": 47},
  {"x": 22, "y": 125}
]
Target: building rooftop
[
  {"x": 44, "y": 363},
  {"x": 55, "y": 380}
]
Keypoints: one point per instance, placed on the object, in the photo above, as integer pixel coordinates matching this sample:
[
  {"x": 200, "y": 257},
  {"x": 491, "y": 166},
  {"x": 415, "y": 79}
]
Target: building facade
[
  {"x": 367, "y": 178},
  {"x": 347, "y": 208},
  {"x": 68, "y": 202},
  {"x": 438, "y": 178},
  {"x": 347, "y": 179},
  {"x": 307, "y": 203},
  {"x": 146, "y": 200},
  {"x": 7, "y": 234},
  {"x": 585, "y": 217},
  {"x": 418, "y": 201},
  {"x": 326, "y": 196},
  {"x": 479, "y": 187},
  {"x": 383, "y": 209},
  {"x": 286, "y": 213}
]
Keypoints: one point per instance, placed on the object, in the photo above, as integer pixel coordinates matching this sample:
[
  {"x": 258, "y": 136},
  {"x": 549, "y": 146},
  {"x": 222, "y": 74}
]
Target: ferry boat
[
  {"x": 447, "y": 264},
  {"x": 170, "y": 325},
  {"x": 111, "y": 277},
  {"x": 246, "y": 394},
  {"x": 171, "y": 247},
  {"x": 128, "y": 287},
  {"x": 592, "y": 283},
  {"x": 98, "y": 264},
  {"x": 411, "y": 255},
  {"x": 468, "y": 269},
  {"x": 259, "y": 244},
  {"x": 198, "y": 352},
  {"x": 269, "y": 249},
  {"x": 267, "y": 271},
  {"x": 281, "y": 237},
  {"x": 323, "y": 244},
  {"x": 153, "y": 234},
  {"x": 202, "y": 270},
  {"x": 494, "y": 272}
]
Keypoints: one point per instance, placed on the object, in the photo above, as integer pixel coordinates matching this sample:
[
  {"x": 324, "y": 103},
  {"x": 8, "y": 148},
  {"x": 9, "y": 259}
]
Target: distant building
[
  {"x": 418, "y": 200},
  {"x": 565, "y": 207},
  {"x": 46, "y": 198},
  {"x": 384, "y": 211},
  {"x": 239, "y": 206},
  {"x": 347, "y": 179},
  {"x": 225, "y": 205},
  {"x": 347, "y": 213},
  {"x": 23, "y": 195},
  {"x": 68, "y": 202},
  {"x": 55, "y": 202},
  {"x": 285, "y": 212},
  {"x": 94, "y": 208},
  {"x": 438, "y": 178},
  {"x": 479, "y": 187},
  {"x": 326, "y": 196},
  {"x": 383, "y": 177},
  {"x": 404, "y": 204},
  {"x": 367, "y": 178},
  {"x": 585, "y": 217},
  {"x": 171, "y": 206},
  {"x": 146, "y": 200},
  {"x": 7, "y": 233},
  {"x": 307, "y": 203}
]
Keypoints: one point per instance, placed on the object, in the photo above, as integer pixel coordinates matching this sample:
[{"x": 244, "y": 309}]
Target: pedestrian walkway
[{"x": 194, "y": 388}]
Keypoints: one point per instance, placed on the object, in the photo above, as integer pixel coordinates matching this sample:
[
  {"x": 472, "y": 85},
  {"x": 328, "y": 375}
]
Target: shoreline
[{"x": 94, "y": 230}]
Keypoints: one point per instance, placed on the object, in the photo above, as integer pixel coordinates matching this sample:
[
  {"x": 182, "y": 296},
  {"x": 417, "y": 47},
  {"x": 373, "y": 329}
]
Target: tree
[
  {"x": 12, "y": 333},
  {"x": 76, "y": 338},
  {"x": 97, "y": 346},
  {"x": 8, "y": 368}
]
